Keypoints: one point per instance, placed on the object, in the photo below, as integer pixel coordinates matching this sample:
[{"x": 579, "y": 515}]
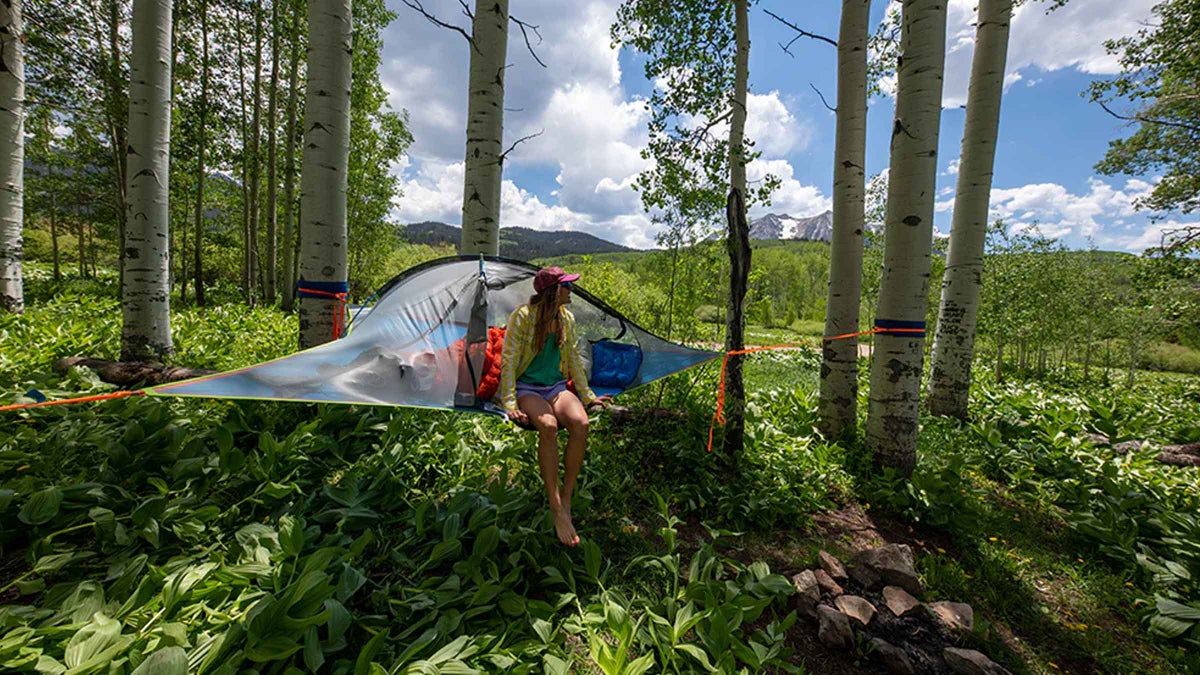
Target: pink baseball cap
[{"x": 550, "y": 276}]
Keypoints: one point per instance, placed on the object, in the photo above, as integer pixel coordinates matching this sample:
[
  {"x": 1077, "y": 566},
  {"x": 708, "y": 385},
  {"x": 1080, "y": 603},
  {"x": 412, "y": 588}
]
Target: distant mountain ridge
[
  {"x": 812, "y": 228},
  {"x": 520, "y": 243}
]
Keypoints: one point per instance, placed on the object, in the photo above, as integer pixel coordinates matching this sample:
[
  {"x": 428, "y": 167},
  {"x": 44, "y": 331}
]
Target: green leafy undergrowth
[
  {"x": 1032, "y": 499},
  {"x": 210, "y": 538}
]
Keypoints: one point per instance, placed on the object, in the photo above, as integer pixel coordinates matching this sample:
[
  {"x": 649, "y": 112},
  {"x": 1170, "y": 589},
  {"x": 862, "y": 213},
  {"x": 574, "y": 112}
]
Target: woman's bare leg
[
  {"x": 541, "y": 415},
  {"x": 571, "y": 416}
]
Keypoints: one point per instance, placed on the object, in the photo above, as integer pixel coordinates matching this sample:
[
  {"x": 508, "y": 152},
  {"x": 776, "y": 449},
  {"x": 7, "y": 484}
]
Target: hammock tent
[{"x": 432, "y": 338}]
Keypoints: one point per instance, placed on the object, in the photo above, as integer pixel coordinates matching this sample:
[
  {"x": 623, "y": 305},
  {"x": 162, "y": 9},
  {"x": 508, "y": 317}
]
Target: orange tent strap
[
  {"x": 338, "y": 314},
  {"x": 82, "y": 399},
  {"x": 719, "y": 415}
]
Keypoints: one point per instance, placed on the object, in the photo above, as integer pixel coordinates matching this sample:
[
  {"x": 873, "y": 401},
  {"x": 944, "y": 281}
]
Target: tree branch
[
  {"x": 1149, "y": 120},
  {"x": 504, "y": 155},
  {"x": 829, "y": 107},
  {"x": 415, "y": 5},
  {"x": 523, "y": 25},
  {"x": 801, "y": 31},
  {"x": 1180, "y": 239}
]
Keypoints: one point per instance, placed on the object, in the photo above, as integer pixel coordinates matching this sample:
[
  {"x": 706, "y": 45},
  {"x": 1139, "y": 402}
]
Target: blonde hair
[{"x": 545, "y": 306}]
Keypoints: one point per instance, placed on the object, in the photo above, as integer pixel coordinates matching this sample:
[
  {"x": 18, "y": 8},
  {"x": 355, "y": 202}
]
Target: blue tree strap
[
  {"x": 324, "y": 289},
  {"x": 899, "y": 328}
]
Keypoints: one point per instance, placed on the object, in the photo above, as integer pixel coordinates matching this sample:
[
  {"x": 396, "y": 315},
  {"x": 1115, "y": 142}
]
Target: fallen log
[
  {"x": 1178, "y": 459},
  {"x": 130, "y": 373}
]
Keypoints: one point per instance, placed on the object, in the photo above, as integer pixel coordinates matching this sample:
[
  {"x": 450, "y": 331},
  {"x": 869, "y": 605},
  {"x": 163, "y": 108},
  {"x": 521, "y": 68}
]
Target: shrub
[{"x": 1172, "y": 358}]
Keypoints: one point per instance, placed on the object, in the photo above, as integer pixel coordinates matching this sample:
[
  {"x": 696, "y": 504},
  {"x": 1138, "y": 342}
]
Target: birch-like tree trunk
[
  {"x": 54, "y": 225},
  {"x": 272, "y": 184},
  {"x": 954, "y": 339},
  {"x": 892, "y": 417},
  {"x": 198, "y": 254},
  {"x": 289, "y": 168},
  {"x": 325, "y": 165},
  {"x": 485, "y": 129},
  {"x": 255, "y": 157},
  {"x": 838, "y": 404},
  {"x": 12, "y": 155},
  {"x": 247, "y": 272},
  {"x": 145, "y": 289},
  {"x": 738, "y": 241}
]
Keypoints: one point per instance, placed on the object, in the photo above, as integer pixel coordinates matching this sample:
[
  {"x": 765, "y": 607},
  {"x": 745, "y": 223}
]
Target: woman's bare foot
[{"x": 565, "y": 529}]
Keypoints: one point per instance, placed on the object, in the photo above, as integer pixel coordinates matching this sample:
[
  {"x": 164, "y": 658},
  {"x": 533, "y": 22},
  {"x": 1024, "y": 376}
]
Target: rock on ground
[
  {"x": 827, "y": 584},
  {"x": 856, "y": 608},
  {"x": 892, "y": 657},
  {"x": 808, "y": 593},
  {"x": 955, "y": 615},
  {"x": 834, "y": 629},
  {"x": 832, "y": 566},
  {"x": 890, "y": 564},
  {"x": 971, "y": 662},
  {"x": 898, "y": 600}
]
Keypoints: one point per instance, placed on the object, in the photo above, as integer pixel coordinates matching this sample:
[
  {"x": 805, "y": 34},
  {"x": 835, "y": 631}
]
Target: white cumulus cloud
[{"x": 1040, "y": 41}]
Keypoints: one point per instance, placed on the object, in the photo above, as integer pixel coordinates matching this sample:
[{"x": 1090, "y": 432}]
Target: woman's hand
[
  {"x": 518, "y": 416},
  {"x": 601, "y": 402}
]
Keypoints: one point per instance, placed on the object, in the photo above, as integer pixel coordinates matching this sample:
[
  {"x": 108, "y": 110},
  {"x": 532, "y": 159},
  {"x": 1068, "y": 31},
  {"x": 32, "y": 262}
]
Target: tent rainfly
[{"x": 425, "y": 343}]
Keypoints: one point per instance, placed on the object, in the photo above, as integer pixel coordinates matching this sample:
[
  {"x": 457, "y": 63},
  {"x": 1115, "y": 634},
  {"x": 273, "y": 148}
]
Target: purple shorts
[{"x": 546, "y": 391}]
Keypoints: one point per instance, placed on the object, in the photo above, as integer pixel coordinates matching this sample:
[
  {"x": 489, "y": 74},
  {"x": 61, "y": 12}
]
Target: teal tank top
[{"x": 546, "y": 367}]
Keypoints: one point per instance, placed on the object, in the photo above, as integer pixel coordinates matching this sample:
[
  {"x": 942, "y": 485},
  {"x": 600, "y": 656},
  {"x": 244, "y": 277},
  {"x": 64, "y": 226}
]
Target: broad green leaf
[
  {"x": 313, "y": 656},
  {"x": 348, "y": 584},
  {"x": 339, "y": 619},
  {"x": 48, "y": 665},
  {"x": 280, "y": 490},
  {"x": 486, "y": 542},
  {"x": 169, "y": 661},
  {"x": 273, "y": 648},
  {"x": 451, "y": 650},
  {"x": 456, "y": 667},
  {"x": 291, "y": 535},
  {"x": 543, "y": 628},
  {"x": 42, "y": 506},
  {"x": 698, "y": 654},
  {"x": 92, "y": 640},
  {"x": 445, "y": 550},
  {"x": 1176, "y": 610},
  {"x": 1168, "y": 627},
  {"x": 362, "y": 666},
  {"x": 554, "y": 665},
  {"x": 639, "y": 665},
  {"x": 57, "y": 561},
  {"x": 224, "y": 438},
  {"x": 591, "y": 558}
]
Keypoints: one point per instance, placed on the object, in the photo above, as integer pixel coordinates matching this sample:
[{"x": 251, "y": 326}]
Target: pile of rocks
[{"x": 875, "y": 605}]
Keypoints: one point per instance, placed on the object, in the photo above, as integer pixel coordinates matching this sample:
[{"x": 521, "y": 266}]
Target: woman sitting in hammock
[{"x": 540, "y": 355}]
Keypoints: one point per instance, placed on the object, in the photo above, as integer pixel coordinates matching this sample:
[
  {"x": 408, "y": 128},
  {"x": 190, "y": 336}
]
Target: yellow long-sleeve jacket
[{"x": 519, "y": 352}]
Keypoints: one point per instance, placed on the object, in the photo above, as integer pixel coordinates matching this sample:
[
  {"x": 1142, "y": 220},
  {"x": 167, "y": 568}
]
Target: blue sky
[{"x": 588, "y": 106}]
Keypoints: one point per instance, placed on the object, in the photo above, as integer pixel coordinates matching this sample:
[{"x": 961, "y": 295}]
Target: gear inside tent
[{"x": 425, "y": 343}]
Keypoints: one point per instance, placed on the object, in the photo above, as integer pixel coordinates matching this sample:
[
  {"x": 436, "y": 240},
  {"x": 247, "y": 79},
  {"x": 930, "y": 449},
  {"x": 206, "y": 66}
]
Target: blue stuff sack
[{"x": 614, "y": 364}]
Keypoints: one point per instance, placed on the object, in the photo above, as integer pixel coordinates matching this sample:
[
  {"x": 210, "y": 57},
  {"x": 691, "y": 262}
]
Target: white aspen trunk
[
  {"x": 12, "y": 155},
  {"x": 256, "y": 157},
  {"x": 485, "y": 129},
  {"x": 289, "y": 170},
  {"x": 324, "y": 168},
  {"x": 198, "y": 253},
  {"x": 954, "y": 339},
  {"x": 738, "y": 241},
  {"x": 838, "y": 403},
  {"x": 272, "y": 183},
  {"x": 893, "y": 413},
  {"x": 145, "y": 289}
]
